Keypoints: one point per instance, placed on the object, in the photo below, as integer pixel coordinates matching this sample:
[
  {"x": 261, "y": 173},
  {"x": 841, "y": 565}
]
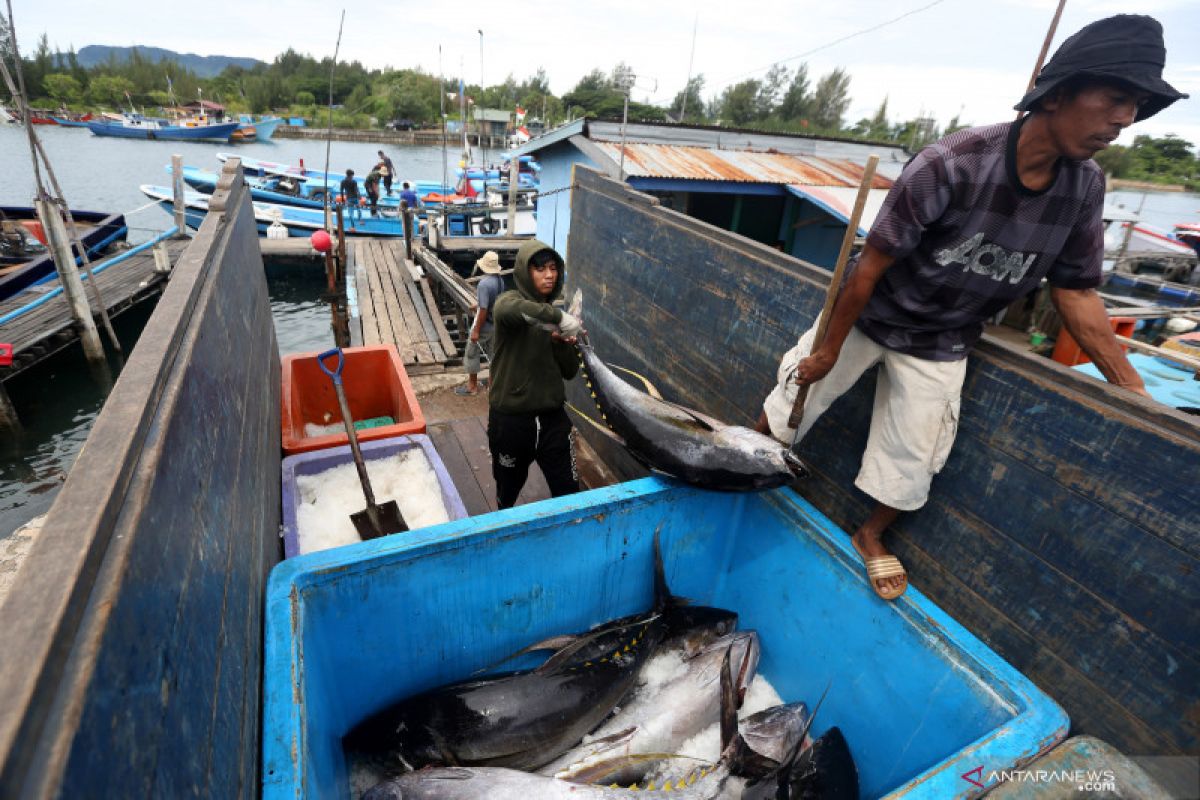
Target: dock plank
[
  {"x": 448, "y": 346},
  {"x": 402, "y": 333},
  {"x": 472, "y": 437},
  {"x": 459, "y": 469},
  {"x": 49, "y": 327},
  {"x": 400, "y": 304}
]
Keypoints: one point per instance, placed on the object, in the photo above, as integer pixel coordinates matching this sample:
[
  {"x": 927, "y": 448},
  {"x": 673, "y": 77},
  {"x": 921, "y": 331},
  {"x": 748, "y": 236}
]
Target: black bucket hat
[{"x": 1126, "y": 49}]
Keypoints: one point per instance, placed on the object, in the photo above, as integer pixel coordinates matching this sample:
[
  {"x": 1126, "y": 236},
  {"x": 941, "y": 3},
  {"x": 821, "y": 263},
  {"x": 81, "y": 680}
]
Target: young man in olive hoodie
[{"x": 534, "y": 352}]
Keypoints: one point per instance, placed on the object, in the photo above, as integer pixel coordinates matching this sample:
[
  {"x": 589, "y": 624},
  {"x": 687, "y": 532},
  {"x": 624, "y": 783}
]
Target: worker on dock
[
  {"x": 388, "y": 170},
  {"x": 371, "y": 186},
  {"x": 533, "y": 353},
  {"x": 480, "y": 341},
  {"x": 974, "y": 222},
  {"x": 350, "y": 198}
]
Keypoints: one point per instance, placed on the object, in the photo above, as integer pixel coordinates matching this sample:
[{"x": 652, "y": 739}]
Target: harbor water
[{"x": 59, "y": 399}]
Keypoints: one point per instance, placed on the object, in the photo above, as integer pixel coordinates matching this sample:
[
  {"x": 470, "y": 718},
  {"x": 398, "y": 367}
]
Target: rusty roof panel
[{"x": 707, "y": 164}]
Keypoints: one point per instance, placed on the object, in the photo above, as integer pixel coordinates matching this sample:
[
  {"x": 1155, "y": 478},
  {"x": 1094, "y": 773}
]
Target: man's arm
[
  {"x": 1085, "y": 318},
  {"x": 850, "y": 303},
  {"x": 481, "y": 316}
]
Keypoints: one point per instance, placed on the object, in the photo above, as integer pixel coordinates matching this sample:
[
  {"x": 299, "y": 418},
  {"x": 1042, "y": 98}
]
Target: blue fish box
[{"x": 922, "y": 702}]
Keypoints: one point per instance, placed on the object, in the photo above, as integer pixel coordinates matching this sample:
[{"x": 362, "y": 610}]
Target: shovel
[{"x": 375, "y": 520}]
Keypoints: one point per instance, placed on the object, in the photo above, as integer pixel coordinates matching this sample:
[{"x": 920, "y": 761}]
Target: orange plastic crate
[
  {"x": 1067, "y": 351},
  {"x": 376, "y": 385}
]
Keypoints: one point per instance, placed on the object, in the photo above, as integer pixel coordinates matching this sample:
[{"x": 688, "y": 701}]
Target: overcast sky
[{"x": 946, "y": 57}]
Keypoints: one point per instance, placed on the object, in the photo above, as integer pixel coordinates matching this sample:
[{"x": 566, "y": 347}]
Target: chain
[{"x": 556, "y": 191}]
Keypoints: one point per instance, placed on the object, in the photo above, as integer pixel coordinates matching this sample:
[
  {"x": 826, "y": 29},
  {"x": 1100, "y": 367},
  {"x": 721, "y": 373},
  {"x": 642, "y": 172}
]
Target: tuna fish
[
  {"x": 672, "y": 705},
  {"x": 681, "y": 442},
  {"x": 526, "y": 719}
]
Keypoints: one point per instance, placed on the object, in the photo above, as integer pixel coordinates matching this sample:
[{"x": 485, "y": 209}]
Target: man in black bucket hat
[
  {"x": 974, "y": 222},
  {"x": 1126, "y": 50}
]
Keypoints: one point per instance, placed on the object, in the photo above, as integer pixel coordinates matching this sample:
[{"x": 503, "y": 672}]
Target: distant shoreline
[{"x": 1144, "y": 186}]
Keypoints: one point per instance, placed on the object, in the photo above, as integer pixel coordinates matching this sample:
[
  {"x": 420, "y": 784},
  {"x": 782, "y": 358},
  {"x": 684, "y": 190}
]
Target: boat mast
[
  {"x": 691, "y": 59},
  {"x": 479, "y": 122},
  {"x": 329, "y": 134},
  {"x": 442, "y": 102}
]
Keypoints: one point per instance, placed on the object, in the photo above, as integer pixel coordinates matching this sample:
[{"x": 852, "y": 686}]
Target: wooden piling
[
  {"x": 72, "y": 286},
  {"x": 514, "y": 169},
  {"x": 406, "y": 214},
  {"x": 8, "y": 412},
  {"x": 177, "y": 189}
]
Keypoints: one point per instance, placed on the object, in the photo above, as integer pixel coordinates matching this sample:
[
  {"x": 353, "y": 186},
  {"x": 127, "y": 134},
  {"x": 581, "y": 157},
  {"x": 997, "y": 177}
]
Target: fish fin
[
  {"x": 662, "y": 593},
  {"x": 576, "y": 307},
  {"x": 565, "y": 653},
  {"x": 729, "y": 705},
  {"x": 651, "y": 389},
  {"x": 553, "y": 643},
  {"x": 604, "y": 429}
]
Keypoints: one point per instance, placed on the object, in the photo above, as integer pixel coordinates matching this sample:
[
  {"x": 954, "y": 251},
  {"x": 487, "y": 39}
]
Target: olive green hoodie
[{"x": 528, "y": 367}]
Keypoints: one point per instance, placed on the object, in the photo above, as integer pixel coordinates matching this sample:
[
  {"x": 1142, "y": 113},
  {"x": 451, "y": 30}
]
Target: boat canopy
[{"x": 839, "y": 201}]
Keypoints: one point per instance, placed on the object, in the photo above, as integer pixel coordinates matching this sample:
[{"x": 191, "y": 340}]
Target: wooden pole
[
  {"x": 1045, "y": 48},
  {"x": 8, "y": 412},
  {"x": 341, "y": 232},
  {"x": 406, "y": 214},
  {"x": 514, "y": 172},
  {"x": 177, "y": 189},
  {"x": 864, "y": 190},
  {"x": 72, "y": 286},
  {"x": 1161, "y": 352}
]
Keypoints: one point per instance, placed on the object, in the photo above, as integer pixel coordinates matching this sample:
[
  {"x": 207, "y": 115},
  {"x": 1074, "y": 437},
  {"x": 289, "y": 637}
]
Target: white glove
[{"x": 570, "y": 325}]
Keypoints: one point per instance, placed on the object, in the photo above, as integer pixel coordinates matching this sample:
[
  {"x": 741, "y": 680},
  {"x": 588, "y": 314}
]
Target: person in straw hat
[
  {"x": 491, "y": 287},
  {"x": 974, "y": 222}
]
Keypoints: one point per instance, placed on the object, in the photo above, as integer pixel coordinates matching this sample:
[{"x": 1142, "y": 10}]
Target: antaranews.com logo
[{"x": 1084, "y": 780}]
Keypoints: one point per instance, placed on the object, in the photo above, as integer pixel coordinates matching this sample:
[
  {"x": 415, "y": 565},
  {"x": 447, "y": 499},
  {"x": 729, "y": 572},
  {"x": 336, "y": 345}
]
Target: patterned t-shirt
[{"x": 969, "y": 239}]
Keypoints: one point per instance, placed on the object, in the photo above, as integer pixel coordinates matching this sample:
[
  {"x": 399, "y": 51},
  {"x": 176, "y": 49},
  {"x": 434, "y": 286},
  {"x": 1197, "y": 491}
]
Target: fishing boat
[
  {"x": 1131, "y": 245},
  {"x": 296, "y": 221},
  {"x": 254, "y": 167},
  {"x": 264, "y": 127},
  {"x": 24, "y": 259},
  {"x": 73, "y": 121},
  {"x": 137, "y": 126},
  {"x": 1189, "y": 234}
]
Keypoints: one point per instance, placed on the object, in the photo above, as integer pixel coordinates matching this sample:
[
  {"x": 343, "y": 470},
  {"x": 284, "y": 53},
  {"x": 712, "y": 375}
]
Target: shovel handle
[{"x": 336, "y": 372}]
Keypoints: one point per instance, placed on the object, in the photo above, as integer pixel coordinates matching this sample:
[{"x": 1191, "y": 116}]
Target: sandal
[
  {"x": 879, "y": 567},
  {"x": 463, "y": 391}
]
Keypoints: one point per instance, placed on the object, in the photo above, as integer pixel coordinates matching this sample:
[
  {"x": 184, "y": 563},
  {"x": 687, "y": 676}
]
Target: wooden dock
[
  {"x": 396, "y": 306},
  {"x": 49, "y": 328},
  {"x": 458, "y": 428}
]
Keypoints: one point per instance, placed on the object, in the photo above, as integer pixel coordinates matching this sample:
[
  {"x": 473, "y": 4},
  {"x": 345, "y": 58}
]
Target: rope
[{"x": 139, "y": 209}]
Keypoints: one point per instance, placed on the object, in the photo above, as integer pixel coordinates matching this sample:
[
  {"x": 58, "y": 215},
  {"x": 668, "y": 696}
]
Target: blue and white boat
[
  {"x": 261, "y": 168},
  {"x": 136, "y": 126},
  {"x": 297, "y": 221},
  {"x": 264, "y": 127}
]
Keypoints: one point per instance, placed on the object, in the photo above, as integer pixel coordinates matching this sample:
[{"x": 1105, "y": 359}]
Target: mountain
[{"x": 203, "y": 66}]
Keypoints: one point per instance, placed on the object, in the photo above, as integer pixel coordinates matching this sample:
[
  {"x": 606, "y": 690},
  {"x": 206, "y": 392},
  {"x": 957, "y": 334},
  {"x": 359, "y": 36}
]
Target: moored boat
[
  {"x": 264, "y": 127},
  {"x": 73, "y": 121},
  {"x": 136, "y": 126},
  {"x": 24, "y": 259}
]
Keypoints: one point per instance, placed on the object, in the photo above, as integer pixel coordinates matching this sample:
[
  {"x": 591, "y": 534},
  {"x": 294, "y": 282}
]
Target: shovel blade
[{"x": 385, "y": 520}]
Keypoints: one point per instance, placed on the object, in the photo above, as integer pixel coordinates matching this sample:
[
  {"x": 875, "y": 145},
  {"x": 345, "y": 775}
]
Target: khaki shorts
[
  {"x": 473, "y": 352},
  {"x": 913, "y": 423}
]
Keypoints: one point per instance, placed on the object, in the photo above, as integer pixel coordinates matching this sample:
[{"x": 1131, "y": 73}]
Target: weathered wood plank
[
  {"x": 400, "y": 304},
  {"x": 459, "y": 469},
  {"x": 439, "y": 324},
  {"x": 1066, "y": 514},
  {"x": 472, "y": 437},
  {"x": 119, "y": 633},
  {"x": 368, "y": 327}
]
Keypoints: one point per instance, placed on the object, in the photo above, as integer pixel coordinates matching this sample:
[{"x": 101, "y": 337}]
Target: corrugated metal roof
[
  {"x": 707, "y": 164},
  {"x": 839, "y": 201}
]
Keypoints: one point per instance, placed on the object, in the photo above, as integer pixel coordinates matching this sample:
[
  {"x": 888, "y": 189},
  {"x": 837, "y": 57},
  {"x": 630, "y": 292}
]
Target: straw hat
[{"x": 489, "y": 263}]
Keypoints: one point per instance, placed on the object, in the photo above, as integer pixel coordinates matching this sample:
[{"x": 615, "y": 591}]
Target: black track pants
[{"x": 517, "y": 440}]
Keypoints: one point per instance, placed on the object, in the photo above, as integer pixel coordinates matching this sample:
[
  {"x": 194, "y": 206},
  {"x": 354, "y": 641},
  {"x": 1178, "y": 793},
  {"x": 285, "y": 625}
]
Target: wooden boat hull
[
  {"x": 1062, "y": 530},
  {"x": 100, "y": 230},
  {"x": 200, "y": 133}
]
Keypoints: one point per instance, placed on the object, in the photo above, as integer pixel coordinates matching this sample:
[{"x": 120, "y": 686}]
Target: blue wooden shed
[{"x": 788, "y": 191}]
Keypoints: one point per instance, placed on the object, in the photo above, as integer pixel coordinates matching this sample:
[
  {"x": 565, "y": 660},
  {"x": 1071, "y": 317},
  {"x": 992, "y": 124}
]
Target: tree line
[{"x": 783, "y": 100}]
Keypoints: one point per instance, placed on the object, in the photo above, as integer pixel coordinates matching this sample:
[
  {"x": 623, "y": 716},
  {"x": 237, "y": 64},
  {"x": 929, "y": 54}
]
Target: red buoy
[{"x": 321, "y": 241}]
